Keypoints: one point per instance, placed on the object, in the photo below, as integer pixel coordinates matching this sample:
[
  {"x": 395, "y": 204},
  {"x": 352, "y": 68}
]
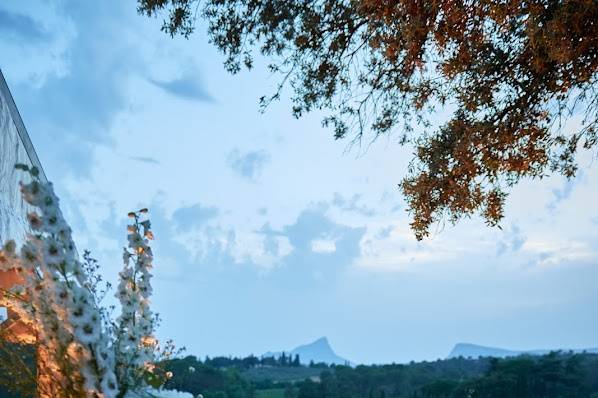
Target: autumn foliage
[{"x": 516, "y": 78}]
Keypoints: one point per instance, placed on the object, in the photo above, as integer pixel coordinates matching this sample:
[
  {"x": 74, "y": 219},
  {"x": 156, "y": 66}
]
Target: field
[
  {"x": 270, "y": 393},
  {"x": 281, "y": 374}
]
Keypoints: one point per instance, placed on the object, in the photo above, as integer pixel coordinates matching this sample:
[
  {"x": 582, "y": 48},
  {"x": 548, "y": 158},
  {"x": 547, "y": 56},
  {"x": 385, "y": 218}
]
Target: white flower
[
  {"x": 109, "y": 386},
  {"x": 54, "y": 223},
  {"x": 10, "y": 247},
  {"x": 59, "y": 307},
  {"x": 49, "y": 200},
  {"x": 87, "y": 333},
  {"x": 33, "y": 193},
  {"x": 8, "y": 260},
  {"x": 30, "y": 255},
  {"x": 53, "y": 252},
  {"x": 35, "y": 221},
  {"x": 5, "y": 261},
  {"x": 135, "y": 338},
  {"x": 63, "y": 295},
  {"x": 135, "y": 240},
  {"x": 18, "y": 290},
  {"x": 126, "y": 256}
]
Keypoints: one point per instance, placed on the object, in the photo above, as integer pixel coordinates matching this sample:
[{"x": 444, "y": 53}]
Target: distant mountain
[
  {"x": 466, "y": 350},
  {"x": 318, "y": 351}
]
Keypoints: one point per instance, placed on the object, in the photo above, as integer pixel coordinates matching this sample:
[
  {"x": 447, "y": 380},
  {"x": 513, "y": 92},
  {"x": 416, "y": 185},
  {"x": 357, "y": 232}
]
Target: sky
[{"x": 269, "y": 233}]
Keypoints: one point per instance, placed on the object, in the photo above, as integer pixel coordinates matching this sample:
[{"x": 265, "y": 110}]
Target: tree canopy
[
  {"x": 516, "y": 78},
  {"x": 557, "y": 374}
]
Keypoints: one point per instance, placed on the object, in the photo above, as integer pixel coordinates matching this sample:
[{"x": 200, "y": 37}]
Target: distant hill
[
  {"x": 318, "y": 351},
  {"x": 467, "y": 350}
]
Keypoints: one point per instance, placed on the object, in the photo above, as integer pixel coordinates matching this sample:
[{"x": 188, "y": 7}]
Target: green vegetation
[
  {"x": 270, "y": 393},
  {"x": 557, "y": 375},
  {"x": 281, "y": 374},
  {"x": 17, "y": 369},
  {"x": 551, "y": 376}
]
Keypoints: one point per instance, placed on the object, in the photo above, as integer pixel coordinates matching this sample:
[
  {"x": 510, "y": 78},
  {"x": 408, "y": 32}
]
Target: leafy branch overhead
[{"x": 510, "y": 74}]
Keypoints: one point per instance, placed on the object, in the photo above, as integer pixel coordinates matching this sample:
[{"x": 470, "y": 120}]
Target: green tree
[
  {"x": 289, "y": 392},
  {"x": 509, "y": 73}
]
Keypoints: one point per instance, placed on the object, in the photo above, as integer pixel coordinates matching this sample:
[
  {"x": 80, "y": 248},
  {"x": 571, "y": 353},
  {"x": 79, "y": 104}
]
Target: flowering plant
[
  {"x": 54, "y": 303},
  {"x": 137, "y": 349}
]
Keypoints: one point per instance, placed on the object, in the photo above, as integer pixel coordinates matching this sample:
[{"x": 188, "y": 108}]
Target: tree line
[
  {"x": 556, "y": 375},
  {"x": 551, "y": 376},
  {"x": 251, "y": 361}
]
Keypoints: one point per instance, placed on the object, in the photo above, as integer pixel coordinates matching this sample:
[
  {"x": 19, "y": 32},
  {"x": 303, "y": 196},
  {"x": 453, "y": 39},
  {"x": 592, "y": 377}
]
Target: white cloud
[
  {"x": 323, "y": 246},
  {"x": 42, "y": 49},
  {"x": 560, "y": 252}
]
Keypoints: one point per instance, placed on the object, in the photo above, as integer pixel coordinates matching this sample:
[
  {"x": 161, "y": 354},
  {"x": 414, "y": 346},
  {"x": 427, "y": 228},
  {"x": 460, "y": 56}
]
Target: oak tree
[{"x": 516, "y": 78}]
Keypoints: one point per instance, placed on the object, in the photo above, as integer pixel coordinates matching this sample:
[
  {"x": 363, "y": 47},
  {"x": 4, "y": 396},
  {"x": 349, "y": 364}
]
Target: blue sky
[{"x": 269, "y": 233}]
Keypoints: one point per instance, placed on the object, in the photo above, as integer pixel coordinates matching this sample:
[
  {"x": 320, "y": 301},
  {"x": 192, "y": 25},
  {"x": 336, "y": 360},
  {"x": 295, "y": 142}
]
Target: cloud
[
  {"x": 85, "y": 100},
  {"x": 35, "y": 40},
  {"x": 562, "y": 194},
  {"x": 248, "y": 165},
  {"x": 310, "y": 250},
  {"x": 186, "y": 218},
  {"x": 320, "y": 249},
  {"x": 22, "y": 27},
  {"x": 144, "y": 159},
  {"x": 104, "y": 53},
  {"x": 73, "y": 110},
  {"x": 351, "y": 205},
  {"x": 513, "y": 240},
  {"x": 385, "y": 232},
  {"x": 188, "y": 86},
  {"x": 271, "y": 238},
  {"x": 556, "y": 252}
]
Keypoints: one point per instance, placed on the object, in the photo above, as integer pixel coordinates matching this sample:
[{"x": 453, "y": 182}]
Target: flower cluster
[
  {"x": 54, "y": 302},
  {"x": 53, "y": 305},
  {"x": 136, "y": 344}
]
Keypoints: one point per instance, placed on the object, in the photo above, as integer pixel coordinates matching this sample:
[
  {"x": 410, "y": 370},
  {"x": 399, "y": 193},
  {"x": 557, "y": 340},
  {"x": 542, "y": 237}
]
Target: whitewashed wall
[{"x": 15, "y": 147}]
